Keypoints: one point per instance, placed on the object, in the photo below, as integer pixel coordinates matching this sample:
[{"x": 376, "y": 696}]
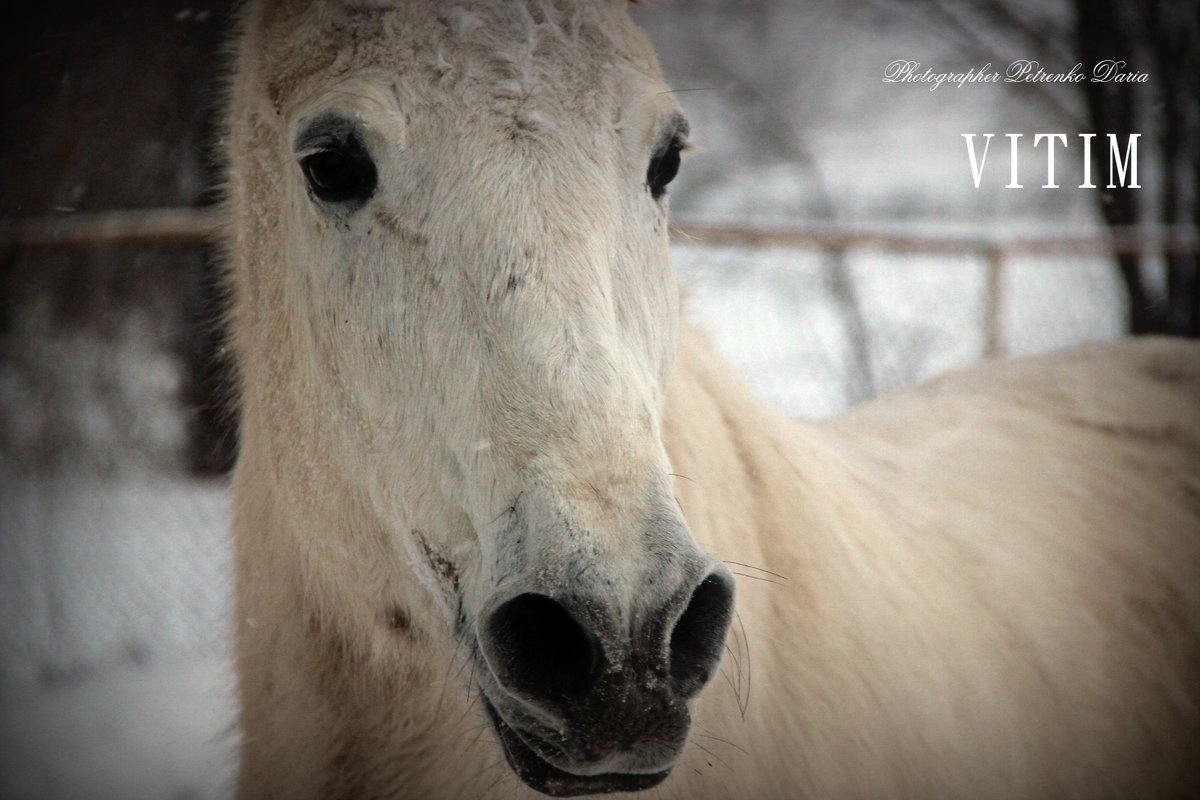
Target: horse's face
[{"x": 477, "y": 263}]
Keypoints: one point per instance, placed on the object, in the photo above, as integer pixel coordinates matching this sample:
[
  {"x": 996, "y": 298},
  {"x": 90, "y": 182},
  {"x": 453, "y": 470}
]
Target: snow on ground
[
  {"x": 107, "y": 571},
  {"x": 114, "y": 678},
  {"x": 771, "y": 312},
  {"x": 154, "y": 731}
]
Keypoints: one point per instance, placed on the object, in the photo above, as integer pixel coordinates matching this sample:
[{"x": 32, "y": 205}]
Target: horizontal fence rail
[
  {"x": 197, "y": 226},
  {"x": 837, "y": 236},
  {"x": 151, "y": 227},
  {"x": 181, "y": 226}
]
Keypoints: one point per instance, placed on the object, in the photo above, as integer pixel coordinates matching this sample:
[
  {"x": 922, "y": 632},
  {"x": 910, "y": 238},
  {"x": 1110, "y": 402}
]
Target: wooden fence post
[{"x": 992, "y": 300}]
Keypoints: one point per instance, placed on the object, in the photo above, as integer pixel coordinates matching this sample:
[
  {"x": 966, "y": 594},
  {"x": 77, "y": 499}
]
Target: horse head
[{"x": 469, "y": 208}]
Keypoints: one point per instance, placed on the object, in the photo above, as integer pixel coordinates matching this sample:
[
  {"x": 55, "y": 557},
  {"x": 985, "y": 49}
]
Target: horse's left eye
[
  {"x": 340, "y": 170},
  {"x": 664, "y": 167}
]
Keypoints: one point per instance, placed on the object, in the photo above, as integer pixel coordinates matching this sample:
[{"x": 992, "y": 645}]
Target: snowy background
[{"x": 114, "y": 566}]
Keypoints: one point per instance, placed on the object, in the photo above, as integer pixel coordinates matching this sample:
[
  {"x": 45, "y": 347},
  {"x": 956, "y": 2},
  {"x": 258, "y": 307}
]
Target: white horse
[{"x": 490, "y": 491}]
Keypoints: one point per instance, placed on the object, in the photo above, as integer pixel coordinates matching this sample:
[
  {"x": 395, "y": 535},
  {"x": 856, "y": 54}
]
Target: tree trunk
[
  {"x": 1102, "y": 32},
  {"x": 1173, "y": 30}
]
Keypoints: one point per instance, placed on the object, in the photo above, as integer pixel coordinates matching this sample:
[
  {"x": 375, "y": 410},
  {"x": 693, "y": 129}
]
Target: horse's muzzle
[{"x": 587, "y": 699}]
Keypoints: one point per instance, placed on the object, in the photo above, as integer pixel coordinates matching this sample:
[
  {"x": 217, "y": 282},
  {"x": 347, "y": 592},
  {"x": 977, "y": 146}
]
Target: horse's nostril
[
  {"x": 536, "y": 648},
  {"x": 699, "y": 635}
]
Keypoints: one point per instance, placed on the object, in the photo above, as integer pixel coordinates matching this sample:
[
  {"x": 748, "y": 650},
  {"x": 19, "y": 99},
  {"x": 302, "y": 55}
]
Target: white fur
[{"x": 987, "y": 587}]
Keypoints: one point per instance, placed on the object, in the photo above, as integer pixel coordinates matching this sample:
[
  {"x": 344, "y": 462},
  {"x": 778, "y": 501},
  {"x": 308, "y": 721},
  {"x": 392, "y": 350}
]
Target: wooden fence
[{"x": 183, "y": 226}]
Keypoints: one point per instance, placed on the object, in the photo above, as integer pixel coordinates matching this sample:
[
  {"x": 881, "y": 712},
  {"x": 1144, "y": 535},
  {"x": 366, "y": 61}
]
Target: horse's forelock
[
  {"x": 299, "y": 39},
  {"x": 272, "y": 7}
]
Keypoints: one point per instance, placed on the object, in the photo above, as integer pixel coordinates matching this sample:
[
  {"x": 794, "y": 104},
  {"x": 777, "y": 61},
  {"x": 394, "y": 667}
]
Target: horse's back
[
  {"x": 1097, "y": 445},
  {"x": 1098, "y": 423},
  {"x": 1002, "y": 568},
  {"x": 1146, "y": 389},
  {"x": 1058, "y": 499}
]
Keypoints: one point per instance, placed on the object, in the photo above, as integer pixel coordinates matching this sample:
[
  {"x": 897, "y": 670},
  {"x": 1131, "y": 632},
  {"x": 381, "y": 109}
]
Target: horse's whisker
[
  {"x": 722, "y": 761},
  {"x": 751, "y": 566},
  {"x": 723, "y": 741},
  {"x": 757, "y": 578}
]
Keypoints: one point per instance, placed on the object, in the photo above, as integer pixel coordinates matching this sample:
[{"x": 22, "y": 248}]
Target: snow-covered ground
[
  {"x": 159, "y": 730},
  {"x": 772, "y": 313},
  {"x": 114, "y": 678}
]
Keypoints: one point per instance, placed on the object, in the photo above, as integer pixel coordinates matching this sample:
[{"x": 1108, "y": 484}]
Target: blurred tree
[
  {"x": 110, "y": 106},
  {"x": 1161, "y": 37},
  {"x": 747, "y": 52}
]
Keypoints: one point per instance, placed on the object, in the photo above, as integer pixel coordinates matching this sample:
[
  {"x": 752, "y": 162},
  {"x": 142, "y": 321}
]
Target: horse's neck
[
  {"x": 755, "y": 488},
  {"x": 742, "y": 469}
]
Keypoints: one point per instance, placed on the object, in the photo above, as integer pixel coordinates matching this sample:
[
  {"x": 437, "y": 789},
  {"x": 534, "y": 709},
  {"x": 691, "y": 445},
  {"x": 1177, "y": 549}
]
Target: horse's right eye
[
  {"x": 344, "y": 175},
  {"x": 330, "y": 173},
  {"x": 664, "y": 166}
]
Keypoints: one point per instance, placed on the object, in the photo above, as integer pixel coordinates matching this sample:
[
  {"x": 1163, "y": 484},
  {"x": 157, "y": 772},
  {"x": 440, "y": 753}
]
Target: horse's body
[{"x": 456, "y": 532}]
